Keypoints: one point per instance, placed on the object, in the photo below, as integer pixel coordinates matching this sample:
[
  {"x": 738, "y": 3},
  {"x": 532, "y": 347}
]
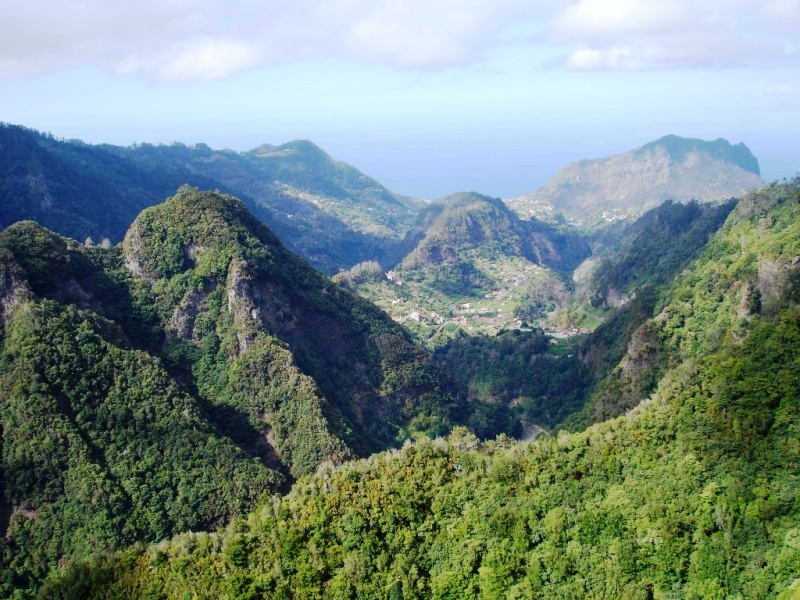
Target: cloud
[
  {"x": 202, "y": 60},
  {"x": 668, "y": 34},
  {"x": 785, "y": 90},
  {"x": 178, "y": 41}
]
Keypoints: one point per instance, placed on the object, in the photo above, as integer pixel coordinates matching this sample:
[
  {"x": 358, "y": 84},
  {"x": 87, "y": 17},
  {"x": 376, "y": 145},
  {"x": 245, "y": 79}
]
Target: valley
[{"x": 304, "y": 385}]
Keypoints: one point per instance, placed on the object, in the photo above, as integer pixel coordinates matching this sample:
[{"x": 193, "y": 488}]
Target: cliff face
[
  {"x": 590, "y": 193},
  {"x": 14, "y": 289},
  {"x": 466, "y": 221},
  {"x": 251, "y": 290},
  {"x": 172, "y": 381},
  {"x": 201, "y": 283}
]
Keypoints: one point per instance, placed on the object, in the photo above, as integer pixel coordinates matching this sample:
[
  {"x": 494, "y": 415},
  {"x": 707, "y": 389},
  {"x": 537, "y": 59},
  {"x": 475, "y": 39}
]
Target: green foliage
[
  {"x": 265, "y": 363},
  {"x": 101, "y": 448},
  {"x": 157, "y": 387},
  {"x": 76, "y": 189},
  {"x": 326, "y": 211},
  {"x": 453, "y": 224},
  {"x": 753, "y": 251},
  {"x": 544, "y": 296},
  {"x": 333, "y": 386},
  {"x": 359, "y": 274},
  {"x": 744, "y": 265},
  {"x": 512, "y": 379},
  {"x": 657, "y": 247},
  {"x": 694, "y": 495}
]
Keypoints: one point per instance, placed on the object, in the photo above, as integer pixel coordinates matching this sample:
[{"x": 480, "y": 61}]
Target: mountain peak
[
  {"x": 169, "y": 238},
  {"x": 592, "y": 193},
  {"x": 679, "y": 148}
]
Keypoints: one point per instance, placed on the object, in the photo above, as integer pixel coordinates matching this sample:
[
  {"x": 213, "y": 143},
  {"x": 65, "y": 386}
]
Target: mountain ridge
[
  {"x": 594, "y": 192},
  {"x": 323, "y": 209},
  {"x": 692, "y": 493},
  {"x": 175, "y": 380},
  {"x": 469, "y": 261}
]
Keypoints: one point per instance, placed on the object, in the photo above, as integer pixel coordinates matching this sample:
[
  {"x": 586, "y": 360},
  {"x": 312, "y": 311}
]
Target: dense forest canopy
[
  {"x": 692, "y": 494},
  {"x": 172, "y": 381},
  {"x": 197, "y": 411}
]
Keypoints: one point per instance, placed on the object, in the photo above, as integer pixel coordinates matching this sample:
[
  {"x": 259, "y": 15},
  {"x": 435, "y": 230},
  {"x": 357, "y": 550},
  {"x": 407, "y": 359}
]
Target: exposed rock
[
  {"x": 38, "y": 185},
  {"x": 773, "y": 278},
  {"x": 69, "y": 290},
  {"x": 133, "y": 251},
  {"x": 14, "y": 288},
  {"x": 616, "y": 298},
  {"x": 642, "y": 353},
  {"x": 583, "y": 273},
  {"x": 601, "y": 191},
  {"x": 244, "y": 301},
  {"x": 193, "y": 252},
  {"x": 184, "y": 317},
  {"x": 531, "y": 431}
]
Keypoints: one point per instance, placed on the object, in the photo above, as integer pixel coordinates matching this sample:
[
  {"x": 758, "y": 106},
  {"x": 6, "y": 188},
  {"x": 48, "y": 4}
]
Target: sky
[{"x": 429, "y": 97}]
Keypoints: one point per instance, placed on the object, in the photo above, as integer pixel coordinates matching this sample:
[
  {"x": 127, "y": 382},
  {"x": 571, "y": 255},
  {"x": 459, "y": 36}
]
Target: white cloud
[
  {"x": 665, "y": 34},
  {"x": 200, "y": 40},
  {"x": 179, "y": 40},
  {"x": 613, "y": 18},
  {"x": 785, "y": 90},
  {"x": 784, "y": 15},
  {"x": 197, "y": 61},
  {"x": 433, "y": 34}
]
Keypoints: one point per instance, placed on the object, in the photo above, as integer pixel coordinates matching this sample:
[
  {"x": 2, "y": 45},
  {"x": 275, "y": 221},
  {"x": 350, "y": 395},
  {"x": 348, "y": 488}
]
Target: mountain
[
  {"x": 324, "y": 210},
  {"x": 691, "y": 494},
  {"x": 592, "y": 193},
  {"x": 172, "y": 382},
  {"x": 655, "y": 248},
  {"x": 523, "y": 382},
  {"x": 468, "y": 221},
  {"x": 76, "y": 189},
  {"x": 747, "y": 272},
  {"x": 470, "y": 263}
]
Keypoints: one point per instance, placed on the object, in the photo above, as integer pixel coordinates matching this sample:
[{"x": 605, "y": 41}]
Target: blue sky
[{"x": 427, "y": 96}]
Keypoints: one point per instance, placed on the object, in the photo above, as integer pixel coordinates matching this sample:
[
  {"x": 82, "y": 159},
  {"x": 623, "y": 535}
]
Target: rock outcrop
[{"x": 590, "y": 193}]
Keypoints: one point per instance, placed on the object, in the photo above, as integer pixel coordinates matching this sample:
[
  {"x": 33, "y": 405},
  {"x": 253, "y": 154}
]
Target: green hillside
[
  {"x": 591, "y": 194},
  {"x": 76, "y": 189},
  {"x": 692, "y": 494},
  {"x": 468, "y": 221},
  {"x": 325, "y": 210},
  {"x": 522, "y": 382},
  {"x": 746, "y": 266},
  {"x": 169, "y": 383},
  {"x": 474, "y": 267}
]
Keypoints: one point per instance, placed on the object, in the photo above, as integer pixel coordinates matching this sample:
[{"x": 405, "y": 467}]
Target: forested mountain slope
[
  {"x": 168, "y": 383},
  {"x": 592, "y": 193},
  {"x": 522, "y": 382},
  {"x": 654, "y": 249},
  {"x": 468, "y": 221},
  {"x": 692, "y": 494},
  {"x": 748, "y": 265},
  {"x": 470, "y": 263},
  {"x": 325, "y": 210},
  {"x": 76, "y": 189}
]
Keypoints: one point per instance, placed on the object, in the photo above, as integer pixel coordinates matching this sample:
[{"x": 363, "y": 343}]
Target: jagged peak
[
  {"x": 462, "y": 198},
  {"x": 679, "y": 147},
  {"x": 169, "y": 238}
]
